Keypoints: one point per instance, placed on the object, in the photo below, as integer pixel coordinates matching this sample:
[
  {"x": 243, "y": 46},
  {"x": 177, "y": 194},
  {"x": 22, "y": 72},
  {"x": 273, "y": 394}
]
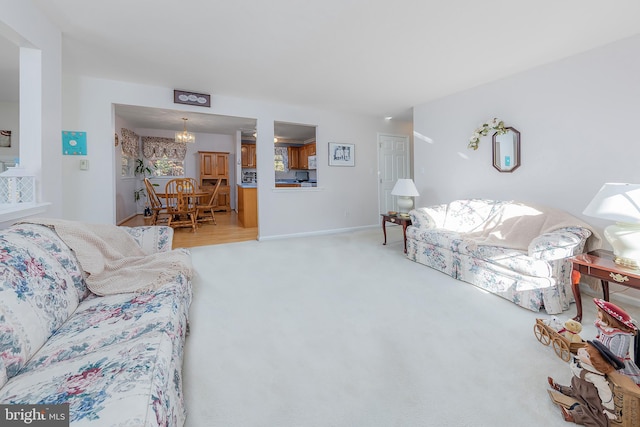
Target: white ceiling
[{"x": 376, "y": 57}]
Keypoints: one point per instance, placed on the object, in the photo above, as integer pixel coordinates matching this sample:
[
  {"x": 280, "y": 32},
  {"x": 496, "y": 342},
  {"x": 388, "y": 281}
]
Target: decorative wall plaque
[
  {"x": 191, "y": 98},
  {"x": 74, "y": 143}
]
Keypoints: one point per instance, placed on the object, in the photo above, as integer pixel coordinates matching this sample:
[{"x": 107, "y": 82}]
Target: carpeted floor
[{"x": 341, "y": 331}]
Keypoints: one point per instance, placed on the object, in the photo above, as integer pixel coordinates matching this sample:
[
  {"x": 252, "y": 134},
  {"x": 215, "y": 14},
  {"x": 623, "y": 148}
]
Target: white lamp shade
[
  {"x": 620, "y": 203},
  {"x": 616, "y": 202},
  {"x": 405, "y": 187}
]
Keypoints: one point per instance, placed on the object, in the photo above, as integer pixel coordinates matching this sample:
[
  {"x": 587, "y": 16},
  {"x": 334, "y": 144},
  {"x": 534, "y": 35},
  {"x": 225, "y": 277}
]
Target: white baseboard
[{"x": 316, "y": 233}]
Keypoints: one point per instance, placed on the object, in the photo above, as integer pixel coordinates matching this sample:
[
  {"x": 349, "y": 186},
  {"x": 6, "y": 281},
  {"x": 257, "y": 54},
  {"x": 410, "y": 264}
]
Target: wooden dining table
[{"x": 195, "y": 195}]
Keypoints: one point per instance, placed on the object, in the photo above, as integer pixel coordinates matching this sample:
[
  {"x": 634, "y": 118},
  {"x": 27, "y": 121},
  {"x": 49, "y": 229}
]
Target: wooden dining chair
[
  {"x": 209, "y": 205},
  {"x": 157, "y": 208},
  {"x": 181, "y": 205},
  {"x": 193, "y": 182}
]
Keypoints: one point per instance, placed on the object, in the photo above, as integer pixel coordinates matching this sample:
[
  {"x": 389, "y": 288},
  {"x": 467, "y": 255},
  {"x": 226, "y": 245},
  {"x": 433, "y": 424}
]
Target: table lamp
[
  {"x": 405, "y": 189},
  {"x": 621, "y": 203}
]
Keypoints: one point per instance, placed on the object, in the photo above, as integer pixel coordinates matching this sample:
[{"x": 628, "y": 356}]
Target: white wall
[
  {"x": 347, "y": 196},
  {"x": 40, "y": 95},
  {"x": 578, "y": 119}
]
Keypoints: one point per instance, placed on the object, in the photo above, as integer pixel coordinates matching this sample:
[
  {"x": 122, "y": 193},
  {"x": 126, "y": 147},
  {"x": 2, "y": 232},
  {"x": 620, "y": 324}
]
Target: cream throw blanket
[
  {"x": 113, "y": 261},
  {"x": 515, "y": 225}
]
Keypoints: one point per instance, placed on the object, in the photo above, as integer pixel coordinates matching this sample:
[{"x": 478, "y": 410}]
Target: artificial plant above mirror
[{"x": 496, "y": 125}]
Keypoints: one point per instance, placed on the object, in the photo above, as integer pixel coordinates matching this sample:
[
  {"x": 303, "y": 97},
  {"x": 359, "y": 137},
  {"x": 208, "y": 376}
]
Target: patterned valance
[
  {"x": 156, "y": 147},
  {"x": 130, "y": 141}
]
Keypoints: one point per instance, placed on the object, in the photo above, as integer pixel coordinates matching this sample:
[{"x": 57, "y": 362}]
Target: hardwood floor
[{"x": 226, "y": 230}]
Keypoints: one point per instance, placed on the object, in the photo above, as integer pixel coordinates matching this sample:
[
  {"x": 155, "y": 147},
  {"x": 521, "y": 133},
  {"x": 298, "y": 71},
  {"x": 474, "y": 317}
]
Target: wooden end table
[
  {"x": 405, "y": 221},
  {"x": 600, "y": 264}
]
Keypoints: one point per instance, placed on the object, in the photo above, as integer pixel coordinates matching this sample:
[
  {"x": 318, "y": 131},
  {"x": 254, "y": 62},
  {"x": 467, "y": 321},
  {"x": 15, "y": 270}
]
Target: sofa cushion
[
  {"x": 40, "y": 286},
  {"x": 511, "y": 259},
  {"x": 469, "y": 216},
  {"x": 103, "y": 321},
  {"x": 132, "y": 383},
  {"x": 464, "y": 216},
  {"x": 438, "y": 237},
  {"x": 3, "y": 373}
]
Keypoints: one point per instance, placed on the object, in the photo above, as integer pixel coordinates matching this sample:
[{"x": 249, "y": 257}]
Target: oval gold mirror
[{"x": 506, "y": 150}]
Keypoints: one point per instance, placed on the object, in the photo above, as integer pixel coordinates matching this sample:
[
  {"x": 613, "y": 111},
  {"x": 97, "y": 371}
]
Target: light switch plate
[{"x": 84, "y": 164}]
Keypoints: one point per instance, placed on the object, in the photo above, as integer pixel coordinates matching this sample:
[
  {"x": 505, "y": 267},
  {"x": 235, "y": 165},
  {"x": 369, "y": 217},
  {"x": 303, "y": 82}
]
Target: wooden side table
[
  {"x": 405, "y": 221},
  {"x": 600, "y": 264}
]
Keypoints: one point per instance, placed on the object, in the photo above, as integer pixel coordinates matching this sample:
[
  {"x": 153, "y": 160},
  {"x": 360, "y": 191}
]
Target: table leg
[
  {"x": 384, "y": 230},
  {"x": 404, "y": 234},
  {"x": 605, "y": 290},
  {"x": 575, "y": 287}
]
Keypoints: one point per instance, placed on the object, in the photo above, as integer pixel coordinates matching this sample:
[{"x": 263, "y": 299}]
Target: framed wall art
[
  {"x": 191, "y": 98},
  {"x": 342, "y": 154}
]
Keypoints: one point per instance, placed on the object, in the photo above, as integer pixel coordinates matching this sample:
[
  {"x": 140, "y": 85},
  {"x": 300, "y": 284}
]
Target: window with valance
[
  {"x": 130, "y": 141},
  {"x": 155, "y": 148},
  {"x": 281, "y": 159},
  {"x": 165, "y": 155}
]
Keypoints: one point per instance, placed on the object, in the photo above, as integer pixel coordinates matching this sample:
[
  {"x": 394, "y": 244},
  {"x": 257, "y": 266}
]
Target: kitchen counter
[
  {"x": 295, "y": 183},
  {"x": 248, "y": 185}
]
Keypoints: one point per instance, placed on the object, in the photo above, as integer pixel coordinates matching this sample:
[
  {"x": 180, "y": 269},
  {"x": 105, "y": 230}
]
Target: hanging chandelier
[{"x": 184, "y": 135}]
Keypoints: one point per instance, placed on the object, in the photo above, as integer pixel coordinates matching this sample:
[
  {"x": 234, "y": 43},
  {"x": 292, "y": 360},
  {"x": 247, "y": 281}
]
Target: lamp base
[
  {"x": 405, "y": 203},
  {"x": 625, "y": 241}
]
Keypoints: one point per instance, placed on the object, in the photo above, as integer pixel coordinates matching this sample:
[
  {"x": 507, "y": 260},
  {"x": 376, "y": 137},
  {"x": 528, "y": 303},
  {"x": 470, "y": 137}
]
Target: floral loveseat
[
  {"x": 514, "y": 250},
  {"x": 115, "y": 359}
]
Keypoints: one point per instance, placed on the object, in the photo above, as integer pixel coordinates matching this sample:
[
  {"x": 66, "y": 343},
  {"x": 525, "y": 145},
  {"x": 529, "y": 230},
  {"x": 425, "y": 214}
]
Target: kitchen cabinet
[
  {"x": 311, "y": 149},
  {"x": 248, "y": 155},
  {"x": 248, "y": 206},
  {"x": 299, "y": 155},
  {"x": 292, "y": 153},
  {"x": 306, "y": 151},
  {"x": 214, "y": 166},
  {"x": 244, "y": 155},
  {"x": 304, "y": 157}
]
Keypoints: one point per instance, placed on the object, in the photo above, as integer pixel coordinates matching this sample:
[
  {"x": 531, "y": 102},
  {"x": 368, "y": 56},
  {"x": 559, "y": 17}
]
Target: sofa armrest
[
  {"x": 558, "y": 244},
  {"x": 152, "y": 239},
  {"x": 431, "y": 217}
]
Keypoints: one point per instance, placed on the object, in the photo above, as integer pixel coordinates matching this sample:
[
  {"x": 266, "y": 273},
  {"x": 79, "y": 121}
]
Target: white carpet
[{"x": 341, "y": 331}]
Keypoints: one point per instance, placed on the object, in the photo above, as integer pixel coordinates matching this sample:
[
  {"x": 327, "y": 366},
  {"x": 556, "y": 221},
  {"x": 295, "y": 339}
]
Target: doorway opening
[{"x": 213, "y": 133}]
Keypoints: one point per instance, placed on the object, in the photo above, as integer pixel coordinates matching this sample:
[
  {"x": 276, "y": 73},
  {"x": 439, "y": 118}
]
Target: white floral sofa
[
  {"x": 116, "y": 359},
  {"x": 515, "y": 250}
]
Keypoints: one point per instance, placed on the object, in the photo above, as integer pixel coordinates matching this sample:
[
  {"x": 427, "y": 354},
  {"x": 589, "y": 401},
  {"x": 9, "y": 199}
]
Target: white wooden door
[{"x": 393, "y": 163}]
